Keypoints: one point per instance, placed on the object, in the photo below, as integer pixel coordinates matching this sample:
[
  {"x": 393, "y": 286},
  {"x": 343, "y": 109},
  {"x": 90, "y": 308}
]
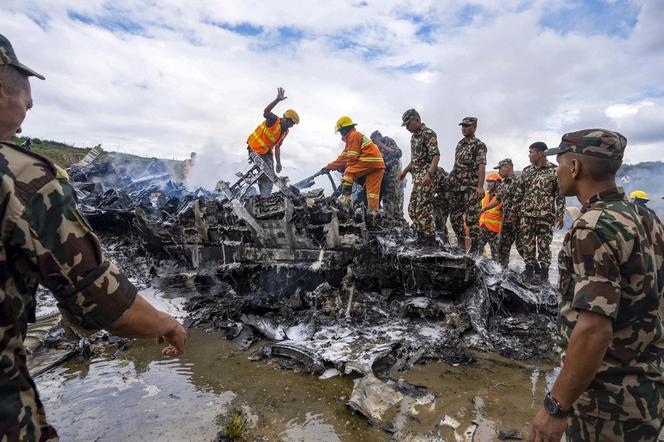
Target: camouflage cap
[
  {"x": 8, "y": 56},
  {"x": 600, "y": 143},
  {"x": 468, "y": 120},
  {"x": 375, "y": 134},
  {"x": 506, "y": 161},
  {"x": 410, "y": 113}
]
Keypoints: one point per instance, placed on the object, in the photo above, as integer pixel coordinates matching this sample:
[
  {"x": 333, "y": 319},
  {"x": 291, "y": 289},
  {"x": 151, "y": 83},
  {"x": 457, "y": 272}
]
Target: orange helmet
[{"x": 493, "y": 176}]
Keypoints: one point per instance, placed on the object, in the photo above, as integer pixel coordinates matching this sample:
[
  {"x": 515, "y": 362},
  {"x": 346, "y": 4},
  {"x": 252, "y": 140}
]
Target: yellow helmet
[
  {"x": 640, "y": 194},
  {"x": 343, "y": 122},
  {"x": 290, "y": 113}
]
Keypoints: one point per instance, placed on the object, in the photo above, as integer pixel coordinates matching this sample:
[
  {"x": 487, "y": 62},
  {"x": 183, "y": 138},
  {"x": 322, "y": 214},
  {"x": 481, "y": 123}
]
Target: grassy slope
[{"x": 65, "y": 155}]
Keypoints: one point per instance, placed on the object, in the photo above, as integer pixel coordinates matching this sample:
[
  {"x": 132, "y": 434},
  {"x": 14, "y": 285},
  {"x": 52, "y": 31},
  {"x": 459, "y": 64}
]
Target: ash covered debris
[{"x": 324, "y": 290}]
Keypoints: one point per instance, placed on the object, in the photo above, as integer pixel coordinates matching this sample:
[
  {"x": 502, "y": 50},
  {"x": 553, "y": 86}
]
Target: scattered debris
[
  {"x": 328, "y": 294},
  {"x": 510, "y": 435}
]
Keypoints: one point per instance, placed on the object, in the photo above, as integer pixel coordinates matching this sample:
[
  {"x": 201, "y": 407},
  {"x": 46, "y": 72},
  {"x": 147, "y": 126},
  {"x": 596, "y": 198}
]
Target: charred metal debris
[{"x": 318, "y": 289}]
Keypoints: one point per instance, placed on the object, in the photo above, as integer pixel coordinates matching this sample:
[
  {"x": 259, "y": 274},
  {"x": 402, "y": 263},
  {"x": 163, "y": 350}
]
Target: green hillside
[{"x": 65, "y": 155}]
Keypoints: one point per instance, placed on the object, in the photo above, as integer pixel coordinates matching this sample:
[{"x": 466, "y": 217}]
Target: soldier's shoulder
[
  {"x": 607, "y": 217},
  {"x": 28, "y": 171},
  {"x": 428, "y": 132},
  {"x": 478, "y": 142}
]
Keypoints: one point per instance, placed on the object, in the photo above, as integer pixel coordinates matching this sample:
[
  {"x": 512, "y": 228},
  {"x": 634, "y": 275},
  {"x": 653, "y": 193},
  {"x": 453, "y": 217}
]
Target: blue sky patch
[
  {"x": 246, "y": 29},
  {"x": 592, "y": 17},
  {"x": 113, "y": 20}
]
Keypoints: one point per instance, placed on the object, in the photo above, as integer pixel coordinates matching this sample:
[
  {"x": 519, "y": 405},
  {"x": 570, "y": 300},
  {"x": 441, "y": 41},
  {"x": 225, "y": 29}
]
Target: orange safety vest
[
  {"x": 360, "y": 149},
  {"x": 492, "y": 219},
  {"x": 264, "y": 138}
]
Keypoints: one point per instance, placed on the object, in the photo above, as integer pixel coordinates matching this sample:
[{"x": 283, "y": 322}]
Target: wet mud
[{"x": 140, "y": 395}]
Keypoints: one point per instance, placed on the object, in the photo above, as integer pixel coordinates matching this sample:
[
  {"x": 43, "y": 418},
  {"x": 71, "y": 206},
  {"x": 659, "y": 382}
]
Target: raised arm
[{"x": 281, "y": 96}]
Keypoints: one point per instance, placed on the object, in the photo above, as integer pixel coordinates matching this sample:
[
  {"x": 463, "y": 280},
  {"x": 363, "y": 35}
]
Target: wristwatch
[{"x": 552, "y": 406}]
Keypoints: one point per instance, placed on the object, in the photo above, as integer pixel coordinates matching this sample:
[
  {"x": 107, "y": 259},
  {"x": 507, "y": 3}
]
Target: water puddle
[{"x": 141, "y": 395}]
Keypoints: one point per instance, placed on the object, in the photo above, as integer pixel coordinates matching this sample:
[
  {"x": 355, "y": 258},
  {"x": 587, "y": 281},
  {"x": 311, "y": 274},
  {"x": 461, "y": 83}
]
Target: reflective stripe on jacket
[
  {"x": 492, "y": 219},
  {"x": 359, "y": 148},
  {"x": 264, "y": 138}
]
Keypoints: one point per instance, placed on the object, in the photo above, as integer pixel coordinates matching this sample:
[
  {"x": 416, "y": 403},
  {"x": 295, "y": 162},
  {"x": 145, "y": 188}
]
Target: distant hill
[{"x": 64, "y": 155}]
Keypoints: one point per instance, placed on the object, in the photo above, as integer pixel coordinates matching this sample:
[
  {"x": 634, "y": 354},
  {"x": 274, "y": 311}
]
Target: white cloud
[
  {"x": 622, "y": 110},
  {"x": 184, "y": 84}
]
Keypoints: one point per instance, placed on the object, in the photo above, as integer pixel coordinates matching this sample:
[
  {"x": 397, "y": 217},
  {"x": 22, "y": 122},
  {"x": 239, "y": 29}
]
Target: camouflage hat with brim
[
  {"x": 599, "y": 143},
  {"x": 468, "y": 120},
  {"x": 505, "y": 162},
  {"x": 406, "y": 117},
  {"x": 8, "y": 57}
]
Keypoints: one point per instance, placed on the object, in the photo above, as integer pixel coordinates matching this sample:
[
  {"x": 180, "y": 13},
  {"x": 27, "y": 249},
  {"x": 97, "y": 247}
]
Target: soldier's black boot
[
  {"x": 544, "y": 274},
  {"x": 529, "y": 273},
  {"x": 536, "y": 273}
]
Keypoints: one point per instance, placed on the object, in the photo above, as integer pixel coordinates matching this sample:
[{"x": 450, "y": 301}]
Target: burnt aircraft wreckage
[{"x": 318, "y": 289}]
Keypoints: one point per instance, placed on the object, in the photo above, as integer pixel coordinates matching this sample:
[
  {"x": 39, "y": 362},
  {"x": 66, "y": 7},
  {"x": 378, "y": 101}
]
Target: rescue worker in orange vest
[
  {"x": 360, "y": 158},
  {"x": 269, "y": 135},
  {"x": 491, "y": 220}
]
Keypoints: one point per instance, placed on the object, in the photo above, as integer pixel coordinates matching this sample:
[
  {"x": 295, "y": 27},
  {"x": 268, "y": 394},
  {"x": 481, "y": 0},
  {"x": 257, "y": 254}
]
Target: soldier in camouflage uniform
[
  {"x": 611, "y": 385},
  {"x": 391, "y": 192},
  {"x": 44, "y": 240},
  {"x": 423, "y": 166},
  {"x": 465, "y": 184},
  {"x": 504, "y": 194},
  {"x": 540, "y": 205}
]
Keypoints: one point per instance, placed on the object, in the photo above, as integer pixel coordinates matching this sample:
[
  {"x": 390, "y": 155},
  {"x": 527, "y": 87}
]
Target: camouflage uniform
[
  {"x": 44, "y": 240},
  {"x": 612, "y": 264},
  {"x": 538, "y": 202},
  {"x": 462, "y": 183},
  {"x": 441, "y": 206},
  {"x": 508, "y": 234},
  {"x": 423, "y": 147},
  {"x": 391, "y": 192}
]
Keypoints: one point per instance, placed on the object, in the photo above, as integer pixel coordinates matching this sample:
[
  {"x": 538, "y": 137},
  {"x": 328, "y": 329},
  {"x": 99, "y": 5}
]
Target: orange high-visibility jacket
[
  {"x": 359, "y": 149},
  {"x": 492, "y": 219},
  {"x": 264, "y": 138}
]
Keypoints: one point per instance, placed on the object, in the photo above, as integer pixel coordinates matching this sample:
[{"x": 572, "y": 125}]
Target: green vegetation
[
  {"x": 234, "y": 426},
  {"x": 65, "y": 155}
]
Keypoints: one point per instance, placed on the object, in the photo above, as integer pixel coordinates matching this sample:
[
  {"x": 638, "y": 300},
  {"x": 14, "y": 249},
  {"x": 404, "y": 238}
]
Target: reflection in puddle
[
  {"x": 313, "y": 428},
  {"x": 145, "y": 396}
]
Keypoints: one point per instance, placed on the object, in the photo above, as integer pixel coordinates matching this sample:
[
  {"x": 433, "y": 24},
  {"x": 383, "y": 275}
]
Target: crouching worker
[
  {"x": 491, "y": 217},
  {"x": 360, "y": 158}
]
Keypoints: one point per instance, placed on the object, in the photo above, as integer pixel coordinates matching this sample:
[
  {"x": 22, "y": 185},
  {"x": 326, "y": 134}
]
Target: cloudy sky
[{"x": 167, "y": 77}]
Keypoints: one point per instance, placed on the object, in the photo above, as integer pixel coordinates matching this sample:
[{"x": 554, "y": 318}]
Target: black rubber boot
[
  {"x": 529, "y": 273},
  {"x": 536, "y": 273},
  {"x": 544, "y": 274}
]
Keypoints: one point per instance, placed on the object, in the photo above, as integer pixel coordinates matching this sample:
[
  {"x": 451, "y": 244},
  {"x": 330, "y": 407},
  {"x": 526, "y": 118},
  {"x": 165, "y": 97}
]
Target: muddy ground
[
  {"x": 138, "y": 394},
  {"x": 131, "y": 392}
]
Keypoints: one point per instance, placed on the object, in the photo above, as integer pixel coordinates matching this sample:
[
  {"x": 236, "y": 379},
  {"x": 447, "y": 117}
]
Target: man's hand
[
  {"x": 281, "y": 94},
  {"x": 402, "y": 175},
  {"x": 559, "y": 223},
  {"x": 426, "y": 180},
  {"x": 278, "y": 168},
  {"x": 512, "y": 218},
  {"x": 479, "y": 191},
  {"x": 547, "y": 428},
  {"x": 142, "y": 320},
  {"x": 176, "y": 339}
]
